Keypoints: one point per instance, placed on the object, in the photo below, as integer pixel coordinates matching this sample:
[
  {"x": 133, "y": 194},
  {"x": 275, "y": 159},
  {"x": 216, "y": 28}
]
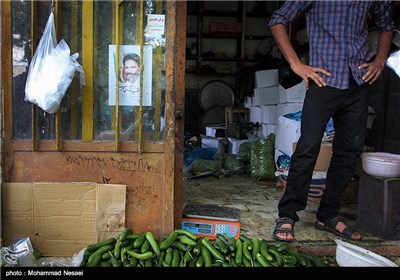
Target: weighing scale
[{"x": 210, "y": 220}]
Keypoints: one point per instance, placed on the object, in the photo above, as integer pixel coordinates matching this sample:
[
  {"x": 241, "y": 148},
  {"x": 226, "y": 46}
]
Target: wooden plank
[
  {"x": 180, "y": 53},
  {"x": 87, "y": 64}
]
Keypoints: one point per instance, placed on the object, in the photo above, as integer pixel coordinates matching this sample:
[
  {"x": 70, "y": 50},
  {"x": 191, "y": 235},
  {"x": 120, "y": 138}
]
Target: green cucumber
[
  {"x": 189, "y": 234},
  {"x": 141, "y": 256},
  {"x": 139, "y": 241},
  {"x": 100, "y": 252},
  {"x": 168, "y": 241},
  {"x": 217, "y": 254},
  {"x": 94, "y": 246},
  {"x": 205, "y": 253},
  {"x": 153, "y": 243},
  {"x": 125, "y": 233}
]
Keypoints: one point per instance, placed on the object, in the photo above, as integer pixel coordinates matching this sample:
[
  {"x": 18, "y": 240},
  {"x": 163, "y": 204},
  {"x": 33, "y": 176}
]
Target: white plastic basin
[{"x": 384, "y": 165}]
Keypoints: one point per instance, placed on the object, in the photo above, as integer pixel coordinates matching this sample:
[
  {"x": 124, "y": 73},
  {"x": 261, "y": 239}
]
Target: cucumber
[
  {"x": 205, "y": 253},
  {"x": 289, "y": 260},
  {"x": 178, "y": 245},
  {"x": 122, "y": 236},
  {"x": 278, "y": 259},
  {"x": 299, "y": 256},
  {"x": 262, "y": 261},
  {"x": 133, "y": 236},
  {"x": 217, "y": 254},
  {"x": 100, "y": 252},
  {"x": 247, "y": 263},
  {"x": 139, "y": 241},
  {"x": 245, "y": 250},
  {"x": 141, "y": 256},
  {"x": 94, "y": 246},
  {"x": 187, "y": 241},
  {"x": 239, "y": 252},
  {"x": 117, "y": 249},
  {"x": 175, "y": 258},
  {"x": 189, "y": 234},
  {"x": 200, "y": 261},
  {"x": 256, "y": 248},
  {"x": 95, "y": 261},
  {"x": 196, "y": 250},
  {"x": 168, "y": 241},
  {"x": 105, "y": 264},
  {"x": 244, "y": 238},
  {"x": 153, "y": 243},
  {"x": 145, "y": 246},
  {"x": 114, "y": 261},
  {"x": 168, "y": 256},
  {"x": 264, "y": 250},
  {"x": 222, "y": 246}
]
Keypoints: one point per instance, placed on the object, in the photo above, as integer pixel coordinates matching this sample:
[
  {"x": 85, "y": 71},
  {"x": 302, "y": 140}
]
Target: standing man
[{"x": 337, "y": 81}]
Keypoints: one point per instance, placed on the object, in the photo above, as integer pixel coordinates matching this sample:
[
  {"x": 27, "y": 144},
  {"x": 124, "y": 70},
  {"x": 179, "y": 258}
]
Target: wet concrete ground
[{"x": 258, "y": 200}]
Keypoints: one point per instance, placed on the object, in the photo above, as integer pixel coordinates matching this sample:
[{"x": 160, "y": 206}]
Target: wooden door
[{"x": 98, "y": 134}]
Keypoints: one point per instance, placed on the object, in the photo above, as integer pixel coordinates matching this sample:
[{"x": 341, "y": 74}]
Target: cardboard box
[
  {"x": 266, "y": 96},
  {"x": 234, "y": 145},
  {"x": 213, "y": 142},
  {"x": 62, "y": 218},
  {"x": 266, "y": 78},
  {"x": 324, "y": 156},
  {"x": 216, "y": 131},
  {"x": 295, "y": 93}
]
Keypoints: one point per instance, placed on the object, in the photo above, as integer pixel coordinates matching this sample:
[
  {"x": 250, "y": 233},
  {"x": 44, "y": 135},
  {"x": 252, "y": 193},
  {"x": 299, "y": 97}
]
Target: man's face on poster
[{"x": 131, "y": 69}]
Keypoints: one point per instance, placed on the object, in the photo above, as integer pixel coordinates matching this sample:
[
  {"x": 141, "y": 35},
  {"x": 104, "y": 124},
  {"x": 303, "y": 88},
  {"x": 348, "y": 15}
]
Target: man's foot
[
  {"x": 284, "y": 230},
  {"x": 337, "y": 226}
]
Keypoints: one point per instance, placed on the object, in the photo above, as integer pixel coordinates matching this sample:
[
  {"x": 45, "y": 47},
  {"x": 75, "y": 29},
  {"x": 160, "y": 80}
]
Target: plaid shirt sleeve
[
  {"x": 289, "y": 12},
  {"x": 381, "y": 14}
]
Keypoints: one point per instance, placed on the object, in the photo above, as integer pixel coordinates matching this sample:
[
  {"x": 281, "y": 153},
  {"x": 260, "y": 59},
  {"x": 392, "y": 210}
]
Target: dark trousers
[{"x": 348, "y": 109}]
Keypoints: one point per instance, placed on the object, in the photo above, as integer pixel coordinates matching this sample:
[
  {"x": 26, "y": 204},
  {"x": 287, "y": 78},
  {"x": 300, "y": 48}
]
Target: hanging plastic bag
[{"x": 51, "y": 71}]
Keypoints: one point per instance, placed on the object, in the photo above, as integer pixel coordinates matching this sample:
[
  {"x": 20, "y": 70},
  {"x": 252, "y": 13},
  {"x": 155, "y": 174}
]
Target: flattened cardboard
[
  {"x": 62, "y": 218},
  {"x": 324, "y": 156}
]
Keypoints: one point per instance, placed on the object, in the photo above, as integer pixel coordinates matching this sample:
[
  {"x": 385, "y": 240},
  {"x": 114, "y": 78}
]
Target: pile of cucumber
[{"x": 181, "y": 248}]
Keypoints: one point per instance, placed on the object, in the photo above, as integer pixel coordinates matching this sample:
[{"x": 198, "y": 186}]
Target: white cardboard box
[
  {"x": 216, "y": 130},
  {"x": 295, "y": 93},
  {"x": 213, "y": 142},
  {"x": 266, "y": 78},
  {"x": 266, "y": 96},
  {"x": 268, "y": 114},
  {"x": 234, "y": 145},
  {"x": 255, "y": 113}
]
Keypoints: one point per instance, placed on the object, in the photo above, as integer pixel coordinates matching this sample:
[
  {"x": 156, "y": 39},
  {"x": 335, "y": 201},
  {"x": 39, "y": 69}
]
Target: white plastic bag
[
  {"x": 51, "y": 71},
  {"x": 393, "y": 62}
]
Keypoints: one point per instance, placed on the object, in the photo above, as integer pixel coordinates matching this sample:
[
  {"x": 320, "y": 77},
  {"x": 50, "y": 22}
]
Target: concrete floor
[{"x": 258, "y": 200}]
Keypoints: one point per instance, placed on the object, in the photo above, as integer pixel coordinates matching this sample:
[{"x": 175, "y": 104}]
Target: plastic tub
[
  {"x": 349, "y": 255},
  {"x": 384, "y": 165}
]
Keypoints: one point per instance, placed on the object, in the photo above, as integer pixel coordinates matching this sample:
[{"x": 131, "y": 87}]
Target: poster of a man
[{"x": 129, "y": 75}]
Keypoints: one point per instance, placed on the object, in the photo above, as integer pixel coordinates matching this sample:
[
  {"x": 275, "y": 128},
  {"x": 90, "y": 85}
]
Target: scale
[{"x": 210, "y": 220}]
